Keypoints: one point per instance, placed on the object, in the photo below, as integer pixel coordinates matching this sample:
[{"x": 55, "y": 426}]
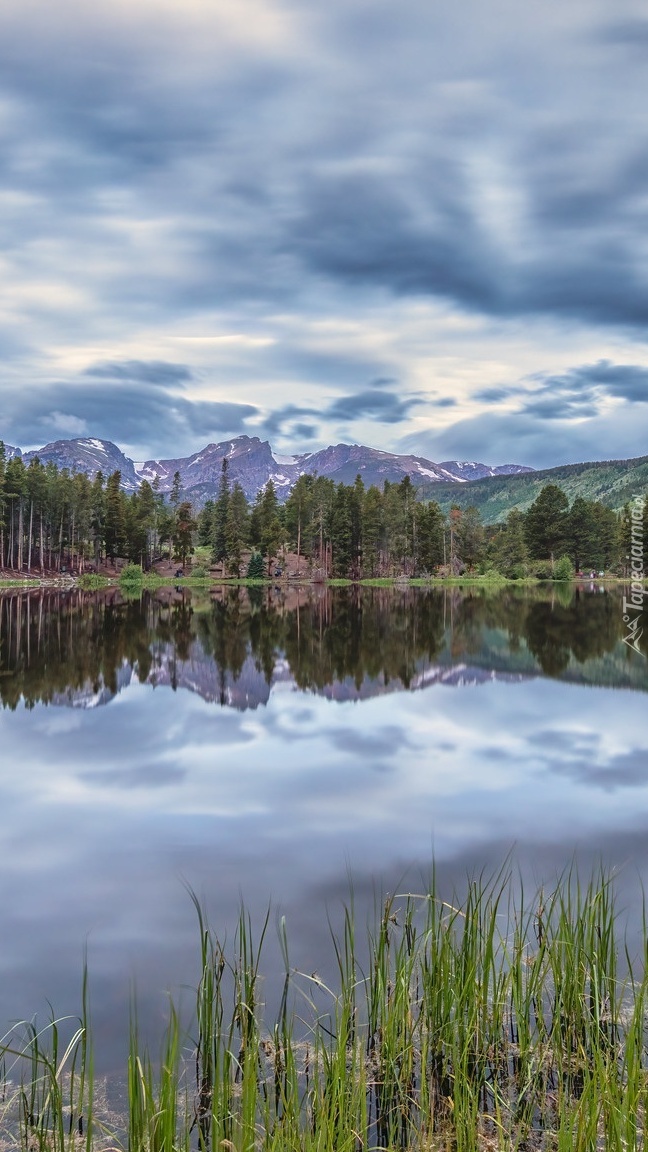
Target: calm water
[{"x": 277, "y": 748}]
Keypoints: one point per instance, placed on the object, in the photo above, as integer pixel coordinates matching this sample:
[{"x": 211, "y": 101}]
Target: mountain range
[{"x": 252, "y": 462}]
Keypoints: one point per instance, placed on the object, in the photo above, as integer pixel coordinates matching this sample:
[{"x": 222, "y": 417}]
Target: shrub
[
  {"x": 132, "y": 574},
  {"x": 199, "y": 572},
  {"x": 516, "y": 572},
  {"x": 563, "y": 569},
  {"x": 90, "y": 581},
  {"x": 542, "y": 569},
  {"x": 494, "y": 576},
  {"x": 256, "y": 567}
]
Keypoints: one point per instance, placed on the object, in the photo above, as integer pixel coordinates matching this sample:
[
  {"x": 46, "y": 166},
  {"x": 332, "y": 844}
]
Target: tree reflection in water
[{"x": 64, "y": 646}]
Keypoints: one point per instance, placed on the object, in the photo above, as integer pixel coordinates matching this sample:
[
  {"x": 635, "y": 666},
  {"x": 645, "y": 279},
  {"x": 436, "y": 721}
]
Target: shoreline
[{"x": 152, "y": 582}]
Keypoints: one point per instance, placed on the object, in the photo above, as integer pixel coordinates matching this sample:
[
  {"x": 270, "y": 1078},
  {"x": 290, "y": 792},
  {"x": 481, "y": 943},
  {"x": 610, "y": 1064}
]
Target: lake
[{"x": 282, "y": 746}]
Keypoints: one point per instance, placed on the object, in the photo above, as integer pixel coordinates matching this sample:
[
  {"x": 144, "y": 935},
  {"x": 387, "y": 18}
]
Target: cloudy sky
[{"x": 419, "y": 226}]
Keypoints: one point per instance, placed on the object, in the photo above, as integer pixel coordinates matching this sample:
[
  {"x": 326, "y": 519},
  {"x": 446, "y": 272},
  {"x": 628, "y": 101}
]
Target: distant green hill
[{"x": 613, "y": 482}]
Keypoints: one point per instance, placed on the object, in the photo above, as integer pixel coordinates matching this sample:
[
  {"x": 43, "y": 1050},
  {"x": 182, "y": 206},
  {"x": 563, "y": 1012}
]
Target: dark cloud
[
  {"x": 575, "y": 394},
  {"x": 144, "y": 414},
  {"x": 305, "y": 431},
  {"x": 385, "y": 741},
  {"x": 384, "y": 382},
  {"x": 627, "y": 381},
  {"x": 373, "y": 402},
  {"x": 371, "y": 175},
  {"x": 627, "y": 770},
  {"x": 564, "y": 740},
  {"x": 560, "y": 408},
  {"x": 493, "y": 395},
  {"x": 631, "y": 32},
  {"x": 281, "y": 419},
  {"x": 549, "y": 420},
  {"x": 293, "y": 162},
  {"x": 142, "y": 372},
  {"x": 361, "y": 232},
  {"x": 208, "y": 416},
  {"x": 520, "y": 438},
  {"x": 380, "y": 401},
  {"x": 141, "y": 776}
]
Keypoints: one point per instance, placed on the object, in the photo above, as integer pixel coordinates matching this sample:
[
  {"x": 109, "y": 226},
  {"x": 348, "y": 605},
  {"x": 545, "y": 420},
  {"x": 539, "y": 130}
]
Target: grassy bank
[
  {"x": 152, "y": 581},
  {"x": 494, "y": 1022}
]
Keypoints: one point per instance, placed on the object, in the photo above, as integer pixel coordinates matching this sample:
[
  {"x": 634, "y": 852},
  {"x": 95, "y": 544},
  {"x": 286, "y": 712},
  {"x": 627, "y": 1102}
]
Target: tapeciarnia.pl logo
[{"x": 633, "y": 605}]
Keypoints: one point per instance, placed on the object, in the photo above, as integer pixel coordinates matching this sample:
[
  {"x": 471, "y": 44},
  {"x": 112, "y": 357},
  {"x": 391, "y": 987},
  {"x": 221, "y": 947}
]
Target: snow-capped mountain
[
  {"x": 343, "y": 462},
  {"x": 469, "y": 470},
  {"x": 89, "y": 455},
  {"x": 252, "y": 463}
]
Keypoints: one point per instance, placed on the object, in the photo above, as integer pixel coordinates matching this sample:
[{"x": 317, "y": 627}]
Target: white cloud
[{"x": 66, "y": 424}]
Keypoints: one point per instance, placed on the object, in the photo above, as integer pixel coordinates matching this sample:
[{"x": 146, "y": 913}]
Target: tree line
[
  {"x": 52, "y": 519},
  {"x": 350, "y": 531}
]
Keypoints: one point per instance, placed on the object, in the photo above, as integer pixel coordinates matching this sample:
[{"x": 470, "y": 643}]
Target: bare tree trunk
[
  {"x": 11, "y": 539},
  {"x": 21, "y": 529},
  {"x": 31, "y": 524}
]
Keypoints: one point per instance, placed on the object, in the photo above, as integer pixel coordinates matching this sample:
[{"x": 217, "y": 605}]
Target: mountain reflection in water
[
  {"x": 311, "y": 745},
  {"x": 231, "y": 646}
]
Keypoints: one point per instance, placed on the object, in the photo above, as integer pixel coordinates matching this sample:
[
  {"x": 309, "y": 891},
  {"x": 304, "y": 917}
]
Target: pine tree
[
  {"x": 581, "y": 540},
  {"x": 115, "y": 523},
  {"x": 341, "y": 531},
  {"x": 470, "y": 542},
  {"x": 206, "y": 523},
  {"x": 508, "y": 551},
  {"x": 236, "y": 528},
  {"x": 15, "y": 487},
  {"x": 219, "y": 538},
  {"x": 431, "y": 527},
  {"x": 176, "y": 491},
  {"x": 299, "y": 512},
  {"x": 98, "y": 515},
  {"x": 270, "y": 524},
  {"x": 183, "y": 531},
  {"x": 545, "y": 523},
  {"x": 256, "y": 567},
  {"x": 372, "y": 530}
]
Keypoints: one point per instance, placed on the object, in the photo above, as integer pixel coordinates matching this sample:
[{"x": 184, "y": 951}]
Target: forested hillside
[{"x": 613, "y": 482}]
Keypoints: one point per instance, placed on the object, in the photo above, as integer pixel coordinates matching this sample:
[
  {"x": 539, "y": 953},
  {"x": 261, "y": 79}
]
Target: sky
[{"x": 418, "y": 226}]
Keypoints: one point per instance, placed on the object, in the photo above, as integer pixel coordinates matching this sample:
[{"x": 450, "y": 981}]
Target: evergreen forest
[{"x": 55, "y": 521}]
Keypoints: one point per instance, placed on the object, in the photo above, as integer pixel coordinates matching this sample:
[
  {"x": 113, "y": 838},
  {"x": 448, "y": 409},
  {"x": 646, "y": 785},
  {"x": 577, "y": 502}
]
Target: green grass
[
  {"x": 494, "y": 1021},
  {"x": 91, "y": 582},
  {"x": 27, "y": 582},
  {"x": 152, "y": 581}
]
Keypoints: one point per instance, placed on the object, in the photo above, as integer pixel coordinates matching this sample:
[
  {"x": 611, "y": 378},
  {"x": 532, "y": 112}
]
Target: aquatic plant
[{"x": 488, "y": 1021}]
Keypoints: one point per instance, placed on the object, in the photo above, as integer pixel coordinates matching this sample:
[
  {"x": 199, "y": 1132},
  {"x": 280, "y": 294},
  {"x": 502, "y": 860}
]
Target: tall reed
[{"x": 492, "y": 1021}]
